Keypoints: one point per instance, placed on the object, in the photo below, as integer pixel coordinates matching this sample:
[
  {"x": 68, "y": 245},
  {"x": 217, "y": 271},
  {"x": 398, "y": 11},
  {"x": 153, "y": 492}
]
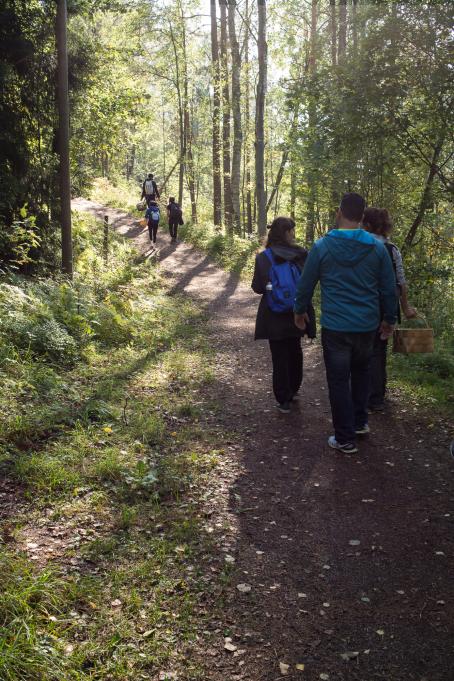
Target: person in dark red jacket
[{"x": 279, "y": 327}]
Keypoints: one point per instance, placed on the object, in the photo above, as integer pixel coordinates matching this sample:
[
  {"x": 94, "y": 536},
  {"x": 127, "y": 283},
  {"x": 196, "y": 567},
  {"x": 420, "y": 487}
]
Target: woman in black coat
[{"x": 278, "y": 327}]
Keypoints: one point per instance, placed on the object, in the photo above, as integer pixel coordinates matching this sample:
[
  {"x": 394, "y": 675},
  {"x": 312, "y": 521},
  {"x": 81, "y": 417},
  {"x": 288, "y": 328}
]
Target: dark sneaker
[
  {"x": 347, "y": 448},
  {"x": 365, "y": 430},
  {"x": 295, "y": 397},
  {"x": 283, "y": 407}
]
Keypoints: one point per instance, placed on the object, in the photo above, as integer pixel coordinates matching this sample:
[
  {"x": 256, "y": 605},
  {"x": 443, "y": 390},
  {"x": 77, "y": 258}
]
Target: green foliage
[
  {"x": 29, "y": 648},
  {"x": 233, "y": 253}
]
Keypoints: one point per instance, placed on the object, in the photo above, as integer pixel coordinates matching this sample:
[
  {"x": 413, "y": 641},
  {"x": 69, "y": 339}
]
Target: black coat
[{"x": 271, "y": 325}]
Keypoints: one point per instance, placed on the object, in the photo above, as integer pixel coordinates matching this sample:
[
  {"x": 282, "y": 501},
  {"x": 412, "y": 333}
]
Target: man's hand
[
  {"x": 301, "y": 320},
  {"x": 386, "y": 330},
  {"x": 410, "y": 312}
]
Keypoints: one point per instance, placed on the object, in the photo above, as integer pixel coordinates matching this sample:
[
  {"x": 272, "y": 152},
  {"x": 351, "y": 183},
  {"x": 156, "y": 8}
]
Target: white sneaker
[{"x": 347, "y": 448}]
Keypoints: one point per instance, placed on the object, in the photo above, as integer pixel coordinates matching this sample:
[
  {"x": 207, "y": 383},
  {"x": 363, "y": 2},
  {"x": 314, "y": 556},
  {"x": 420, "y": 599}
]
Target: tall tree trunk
[
  {"x": 342, "y": 29},
  {"x": 181, "y": 129},
  {"x": 260, "y": 119},
  {"x": 188, "y": 156},
  {"x": 279, "y": 176},
  {"x": 355, "y": 26},
  {"x": 312, "y": 114},
  {"x": 292, "y": 189},
  {"x": 228, "y": 207},
  {"x": 217, "y": 186},
  {"x": 63, "y": 140},
  {"x": 168, "y": 176},
  {"x": 247, "y": 148},
  {"x": 190, "y": 166},
  {"x": 236, "y": 110},
  {"x": 426, "y": 196},
  {"x": 333, "y": 26}
]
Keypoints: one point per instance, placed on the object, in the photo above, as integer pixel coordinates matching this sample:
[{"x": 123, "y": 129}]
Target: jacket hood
[
  {"x": 349, "y": 246},
  {"x": 290, "y": 253}
]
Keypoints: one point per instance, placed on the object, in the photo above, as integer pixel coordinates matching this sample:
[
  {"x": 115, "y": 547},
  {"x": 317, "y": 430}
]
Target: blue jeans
[
  {"x": 377, "y": 385},
  {"x": 347, "y": 357}
]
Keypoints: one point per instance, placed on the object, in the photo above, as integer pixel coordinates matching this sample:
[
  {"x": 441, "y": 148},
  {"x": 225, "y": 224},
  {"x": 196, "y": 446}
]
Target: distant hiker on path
[
  {"x": 152, "y": 217},
  {"x": 149, "y": 189},
  {"x": 175, "y": 218},
  {"x": 378, "y": 222},
  {"x": 356, "y": 277},
  {"x": 277, "y": 271}
]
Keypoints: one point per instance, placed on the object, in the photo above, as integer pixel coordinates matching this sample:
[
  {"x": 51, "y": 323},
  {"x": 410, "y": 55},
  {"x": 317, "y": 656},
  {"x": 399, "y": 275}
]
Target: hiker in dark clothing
[
  {"x": 377, "y": 221},
  {"x": 279, "y": 327},
  {"x": 356, "y": 275},
  {"x": 152, "y": 216},
  {"x": 175, "y": 218},
  {"x": 150, "y": 189}
]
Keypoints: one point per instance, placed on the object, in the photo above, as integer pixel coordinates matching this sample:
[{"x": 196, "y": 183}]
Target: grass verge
[{"x": 105, "y": 450}]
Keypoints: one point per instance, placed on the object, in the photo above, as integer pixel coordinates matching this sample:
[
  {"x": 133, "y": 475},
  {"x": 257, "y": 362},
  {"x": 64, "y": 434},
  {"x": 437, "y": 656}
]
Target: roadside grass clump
[
  {"x": 113, "y": 447},
  {"x": 233, "y": 253},
  {"x": 44, "y": 475},
  {"x": 124, "y": 195},
  {"x": 427, "y": 378},
  {"x": 32, "y": 638}
]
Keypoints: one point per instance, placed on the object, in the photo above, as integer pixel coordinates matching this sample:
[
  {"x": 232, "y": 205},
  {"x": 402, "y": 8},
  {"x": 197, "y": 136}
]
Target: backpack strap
[
  {"x": 269, "y": 254},
  {"x": 390, "y": 247}
]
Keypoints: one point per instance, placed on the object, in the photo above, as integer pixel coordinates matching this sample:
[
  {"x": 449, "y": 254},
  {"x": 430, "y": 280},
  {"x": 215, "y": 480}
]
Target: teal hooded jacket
[{"x": 356, "y": 279}]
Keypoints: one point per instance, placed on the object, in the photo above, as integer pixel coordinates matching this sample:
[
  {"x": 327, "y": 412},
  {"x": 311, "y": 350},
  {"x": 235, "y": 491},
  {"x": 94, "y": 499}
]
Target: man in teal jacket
[{"x": 356, "y": 279}]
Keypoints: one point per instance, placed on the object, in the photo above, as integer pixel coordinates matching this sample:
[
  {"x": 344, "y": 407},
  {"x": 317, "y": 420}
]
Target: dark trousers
[
  {"x": 153, "y": 229},
  {"x": 173, "y": 229},
  {"x": 377, "y": 378},
  {"x": 287, "y": 358},
  {"x": 347, "y": 357}
]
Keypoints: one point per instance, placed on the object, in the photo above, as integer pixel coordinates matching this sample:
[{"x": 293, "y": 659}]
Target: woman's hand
[
  {"x": 301, "y": 320},
  {"x": 410, "y": 312}
]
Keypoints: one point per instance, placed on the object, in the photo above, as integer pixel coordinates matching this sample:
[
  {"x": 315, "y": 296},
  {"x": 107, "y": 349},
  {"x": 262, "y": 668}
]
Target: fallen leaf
[
  {"x": 116, "y": 603},
  {"x": 107, "y": 429},
  {"x": 229, "y": 559},
  {"x": 354, "y": 542},
  {"x": 300, "y": 667},
  {"x": 228, "y": 645},
  {"x": 380, "y": 632},
  {"x": 350, "y": 655},
  {"x": 324, "y": 677},
  {"x": 244, "y": 588},
  {"x": 284, "y": 668}
]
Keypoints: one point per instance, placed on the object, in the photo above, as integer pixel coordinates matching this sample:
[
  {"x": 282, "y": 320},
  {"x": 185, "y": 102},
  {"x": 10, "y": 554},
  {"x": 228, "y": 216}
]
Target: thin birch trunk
[
  {"x": 260, "y": 119},
  {"x": 216, "y": 75},
  {"x": 228, "y": 208}
]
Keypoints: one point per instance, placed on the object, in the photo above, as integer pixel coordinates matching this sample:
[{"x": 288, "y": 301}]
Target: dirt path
[{"x": 347, "y": 561}]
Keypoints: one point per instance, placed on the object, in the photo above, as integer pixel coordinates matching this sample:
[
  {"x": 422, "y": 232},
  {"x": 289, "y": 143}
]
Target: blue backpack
[{"x": 284, "y": 278}]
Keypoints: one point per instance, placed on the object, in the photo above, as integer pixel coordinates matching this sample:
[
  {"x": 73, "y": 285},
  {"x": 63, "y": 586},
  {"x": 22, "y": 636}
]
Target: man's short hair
[{"x": 352, "y": 206}]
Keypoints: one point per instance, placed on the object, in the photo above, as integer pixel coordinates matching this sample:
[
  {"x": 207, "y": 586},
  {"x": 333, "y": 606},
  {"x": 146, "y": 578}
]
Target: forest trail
[{"x": 342, "y": 564}]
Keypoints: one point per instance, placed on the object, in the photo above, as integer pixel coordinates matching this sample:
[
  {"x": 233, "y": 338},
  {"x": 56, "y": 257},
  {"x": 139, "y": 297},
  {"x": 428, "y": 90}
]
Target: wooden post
[{"x": 106, "y": 239}]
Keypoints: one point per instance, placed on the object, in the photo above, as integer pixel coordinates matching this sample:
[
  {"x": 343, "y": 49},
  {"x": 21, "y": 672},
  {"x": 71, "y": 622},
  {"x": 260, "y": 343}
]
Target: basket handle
[{"x": 421, "y": 316}]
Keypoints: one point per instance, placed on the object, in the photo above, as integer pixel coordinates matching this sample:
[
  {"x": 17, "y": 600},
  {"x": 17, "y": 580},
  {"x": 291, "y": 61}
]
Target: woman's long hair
[
  {"x": 277, "y": 231},
  {"x": 377, "y": 221}
]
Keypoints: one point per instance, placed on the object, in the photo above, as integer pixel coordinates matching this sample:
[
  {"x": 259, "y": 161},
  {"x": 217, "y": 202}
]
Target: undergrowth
[
  {"x": 103, "y": 433},
  {"x": 232, "y": 253}
]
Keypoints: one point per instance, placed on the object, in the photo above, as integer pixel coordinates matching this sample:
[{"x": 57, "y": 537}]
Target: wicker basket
[{"x": 413, "y": 340}]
